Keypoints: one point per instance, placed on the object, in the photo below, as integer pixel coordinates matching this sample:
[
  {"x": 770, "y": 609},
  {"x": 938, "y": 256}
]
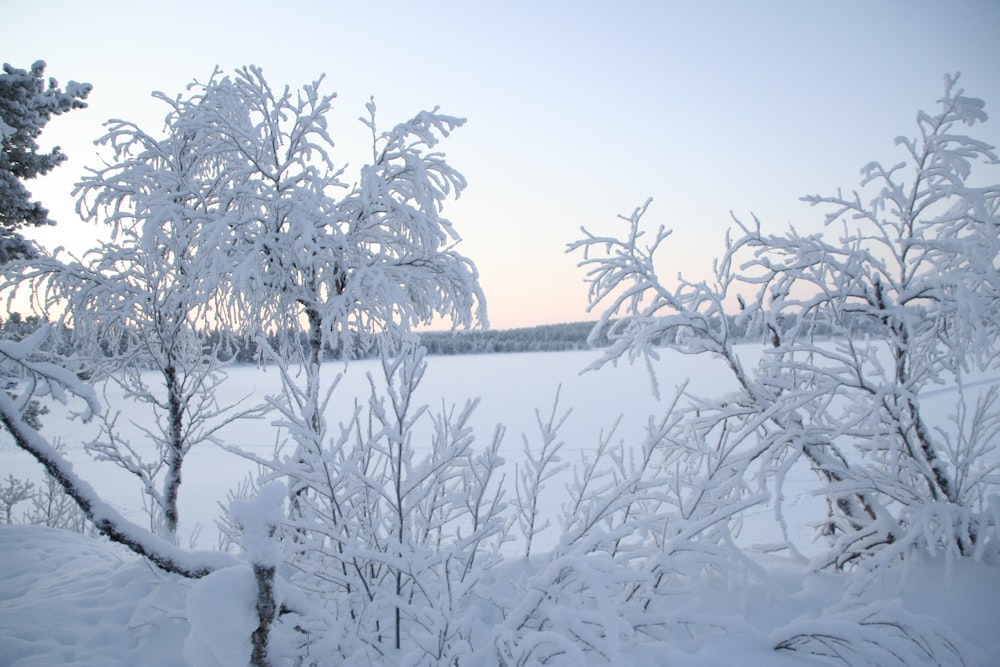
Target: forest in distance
[
  {"x": 562, "y": 337},
  {"x": 541, "y": 338}
]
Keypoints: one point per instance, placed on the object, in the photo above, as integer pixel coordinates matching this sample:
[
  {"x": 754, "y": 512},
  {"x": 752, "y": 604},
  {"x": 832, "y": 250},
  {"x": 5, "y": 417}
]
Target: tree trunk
[
  {"x": 175, "y": 451},
  {"x": 266, "y": 612}
]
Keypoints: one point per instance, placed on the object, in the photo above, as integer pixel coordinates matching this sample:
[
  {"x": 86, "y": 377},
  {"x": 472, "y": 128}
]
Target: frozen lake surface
[{"x": 511, "y": 388}]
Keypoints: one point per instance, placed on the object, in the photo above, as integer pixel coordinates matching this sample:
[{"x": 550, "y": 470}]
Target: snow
[
  {"x": 220, "y": 614},
  {"x": 257, "y": 519},
  {"x": 69, "y": 599},
  {"x": 72, "y": 600}
]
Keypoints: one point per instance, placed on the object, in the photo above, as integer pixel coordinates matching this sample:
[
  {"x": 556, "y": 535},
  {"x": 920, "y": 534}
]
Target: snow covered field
[
  {"x": 510, "y": 386},
  {"x": 72, "y": 600}
]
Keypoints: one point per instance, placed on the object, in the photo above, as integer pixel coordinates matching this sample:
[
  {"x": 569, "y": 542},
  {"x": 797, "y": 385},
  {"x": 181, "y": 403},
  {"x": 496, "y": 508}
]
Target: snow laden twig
[{"x": 538, "y": 469}]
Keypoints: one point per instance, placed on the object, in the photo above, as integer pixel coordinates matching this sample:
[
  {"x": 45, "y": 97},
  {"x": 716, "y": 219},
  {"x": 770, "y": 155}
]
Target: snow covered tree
[
  {"x": 347, "y": 262},
  {"x": 322, "y": 265},
  {"x": 143, "y": 301},
  {"x": 857, "y": 328},
  {"x": 27, "y": 102},
  {"x": 317, "y": 263}
]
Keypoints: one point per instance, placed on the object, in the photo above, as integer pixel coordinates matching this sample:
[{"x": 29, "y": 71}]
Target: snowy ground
[
  {"x": 67, "y": 599},
  {"x": 74, "y": 601}
]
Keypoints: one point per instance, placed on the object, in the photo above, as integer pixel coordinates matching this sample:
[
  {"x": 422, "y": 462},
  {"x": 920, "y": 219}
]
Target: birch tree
[
  {"x": 857, "y": 325},
  {"x": 142, "y": 302},
  {"x": 49, "y": 376},
  {"x": 322, "y": 264},
  {"x": 316, "y": 262}
]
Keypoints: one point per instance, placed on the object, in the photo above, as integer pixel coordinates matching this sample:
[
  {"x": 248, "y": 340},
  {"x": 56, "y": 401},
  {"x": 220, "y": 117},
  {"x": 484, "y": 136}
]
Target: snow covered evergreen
[{"x": 27, "y": 103}]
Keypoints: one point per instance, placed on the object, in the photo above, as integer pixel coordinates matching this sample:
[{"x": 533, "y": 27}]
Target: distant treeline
[
  {"x": 573, "y": 336},
  {"x": 543, "y": 338}
]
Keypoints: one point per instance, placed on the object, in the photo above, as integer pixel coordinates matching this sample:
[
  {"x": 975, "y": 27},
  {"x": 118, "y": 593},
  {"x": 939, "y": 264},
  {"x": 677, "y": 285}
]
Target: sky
[{"x": 577, "y": 111}]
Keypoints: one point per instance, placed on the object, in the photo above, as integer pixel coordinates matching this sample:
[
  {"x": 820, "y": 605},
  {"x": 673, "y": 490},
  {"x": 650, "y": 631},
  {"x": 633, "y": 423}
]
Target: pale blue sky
[{"x": 577, "y": 111}]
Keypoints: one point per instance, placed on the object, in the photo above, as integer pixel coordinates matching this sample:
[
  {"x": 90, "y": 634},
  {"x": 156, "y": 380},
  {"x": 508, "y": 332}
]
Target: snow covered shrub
[
  {"x": 858, "y": 329},
  {"x": 387, "y": 549},
  {"x": 51, "y": 506},
  {"x": 396, "y": 556},
  {"x": 881, "y": 634},
  {"x": 644, "y": 524}
]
